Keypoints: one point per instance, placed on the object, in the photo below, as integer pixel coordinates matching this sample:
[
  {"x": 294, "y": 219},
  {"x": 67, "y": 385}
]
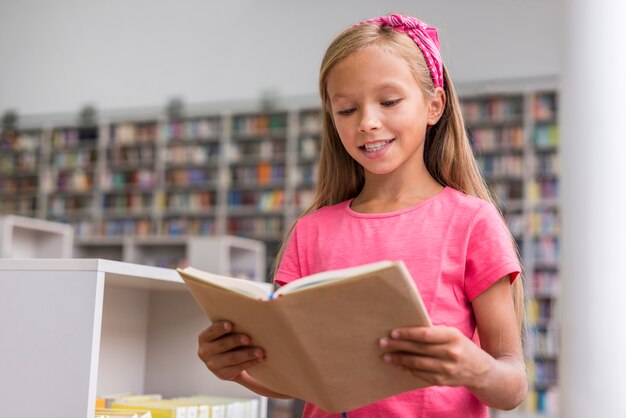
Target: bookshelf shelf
[{"x": 122, "y": 327}]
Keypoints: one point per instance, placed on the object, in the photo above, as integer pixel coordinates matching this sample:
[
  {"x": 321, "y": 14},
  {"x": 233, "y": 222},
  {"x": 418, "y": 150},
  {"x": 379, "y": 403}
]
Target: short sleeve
[
  {"x": 491, "y": 253},
  {"x": 289, "y": 267}
]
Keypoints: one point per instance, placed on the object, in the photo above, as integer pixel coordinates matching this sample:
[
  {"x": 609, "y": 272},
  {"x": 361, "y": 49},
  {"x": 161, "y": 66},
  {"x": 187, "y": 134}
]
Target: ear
[{"x": 436, "y": 106}]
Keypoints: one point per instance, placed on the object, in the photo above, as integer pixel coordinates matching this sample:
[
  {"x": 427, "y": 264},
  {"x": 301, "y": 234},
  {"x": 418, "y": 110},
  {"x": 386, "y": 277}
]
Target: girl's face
[{"x": 380, "y": 110}]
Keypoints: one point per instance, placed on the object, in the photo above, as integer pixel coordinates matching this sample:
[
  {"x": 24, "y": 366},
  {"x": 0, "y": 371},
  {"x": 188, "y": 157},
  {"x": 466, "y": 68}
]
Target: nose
[{"x": 369, "y": 121}]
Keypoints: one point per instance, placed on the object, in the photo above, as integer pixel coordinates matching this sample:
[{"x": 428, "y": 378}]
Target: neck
[{"x": 396, "y": 190}]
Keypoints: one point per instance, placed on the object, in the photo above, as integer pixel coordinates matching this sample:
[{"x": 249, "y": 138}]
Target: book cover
[{"x": 320, "y": 333}]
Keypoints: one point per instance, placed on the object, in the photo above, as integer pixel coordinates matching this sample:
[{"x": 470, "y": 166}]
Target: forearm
[
  {"x": 249, "y": 382},
  {"x": 504, "y": 385}
]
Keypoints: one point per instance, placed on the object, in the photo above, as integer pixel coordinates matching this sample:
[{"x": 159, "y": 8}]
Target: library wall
[{"x": 142, "y": 53}]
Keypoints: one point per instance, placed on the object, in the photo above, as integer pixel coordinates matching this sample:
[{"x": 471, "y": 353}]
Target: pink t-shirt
[{"x": 455, "y": 246}]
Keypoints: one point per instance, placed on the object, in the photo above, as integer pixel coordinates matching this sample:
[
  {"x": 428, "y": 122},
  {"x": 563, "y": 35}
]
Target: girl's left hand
[{"x": 439, "y": 355}]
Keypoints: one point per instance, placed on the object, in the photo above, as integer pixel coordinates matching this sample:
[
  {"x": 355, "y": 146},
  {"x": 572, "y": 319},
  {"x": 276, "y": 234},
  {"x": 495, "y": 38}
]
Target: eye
[
  {"x": 347, "y": 111},
  {"x": 389, "y": 103}
]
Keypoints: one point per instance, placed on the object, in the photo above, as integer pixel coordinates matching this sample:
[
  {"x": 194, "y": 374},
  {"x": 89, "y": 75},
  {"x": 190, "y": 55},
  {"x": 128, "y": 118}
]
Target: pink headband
[{"x": 423, "y": 35}]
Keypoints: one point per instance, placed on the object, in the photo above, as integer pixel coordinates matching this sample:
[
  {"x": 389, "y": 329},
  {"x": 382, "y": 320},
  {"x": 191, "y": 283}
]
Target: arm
[
  {"x": 228, "y": 355},
  {"x": 442, "y": 355}
]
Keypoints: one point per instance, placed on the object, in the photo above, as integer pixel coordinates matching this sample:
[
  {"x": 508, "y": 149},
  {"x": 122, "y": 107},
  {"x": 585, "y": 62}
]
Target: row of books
[
  {"x": 193, "y": 129},
  {"x": 18, "y": 185},
  {"x": 190, "y": 201},
  {"x": 26, "y": 206},
  {"x": 507, "y": 191},
  {"x": 546, "y": 371},
  {"x": 546, "y": 136},
  {"x": 541, "y": 310},
  {"x": 199, "y": 406},
  {"x": 18, "y": 163},
  {"x": 493, "y": 109},
  {"x": 72, "y": 159},
  {"x": 542, "y": 189},
  {"x": 309, "y": 147},
  {"x": 311, "y": 121},
  {"x": 127, "y": 202},
  {"x": 259, "y": 174},
  {"x": 143, "y": 155},
  {"x": 543, "y": 402},
  {"x": 187, "y": 226},
  {"x": 191, "y": 177},
  {"x": 254, "y": 125},
  {"x": 266, "y": 200},
  {"x": 488, "y": 139},
  {"x": 267, "y": 227},
  {"x": 544, "y": 342},
  {"x": 19, "y": 141},
  {"x": 262, "y": 150},
  {"x": 501, "y": 166},
  {"x": 546, "y": 164},
  {"x": 544, "y": 283},
  {"x": 143, "y": 179},
  {"x": 306, "y": 174},
  {"x": 544, "y": 222},
  {"x": 73, "y": 181},
  {"x": 544, "y": 106},
  {"x": 62, "y": 139},
  {"x": 60, "y": 205},
  {"x": 192, "y": 154},
  {"x": 546, "y": 251},
  {"x": 123, "y": 134}
]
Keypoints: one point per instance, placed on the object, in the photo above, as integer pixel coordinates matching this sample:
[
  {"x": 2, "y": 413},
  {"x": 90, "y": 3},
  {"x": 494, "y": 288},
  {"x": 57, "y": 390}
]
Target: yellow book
[
  {"x": 158, "y": 409},
  {"x": 121, "y": 413},
  {"x": 226, "y": 406}
]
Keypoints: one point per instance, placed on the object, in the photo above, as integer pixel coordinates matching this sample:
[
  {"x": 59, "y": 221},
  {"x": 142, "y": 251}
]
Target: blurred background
[{"x": 146, "y": 126}]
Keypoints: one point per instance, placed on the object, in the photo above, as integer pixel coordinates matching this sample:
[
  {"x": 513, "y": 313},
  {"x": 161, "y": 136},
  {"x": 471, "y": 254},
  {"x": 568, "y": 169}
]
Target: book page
[
  {"x": 245, "y": 287},
  {"x": 325, "y": 277}
]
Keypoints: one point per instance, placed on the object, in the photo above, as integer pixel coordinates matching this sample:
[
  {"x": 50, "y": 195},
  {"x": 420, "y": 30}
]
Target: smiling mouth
[{"x": 375, "y": 146}]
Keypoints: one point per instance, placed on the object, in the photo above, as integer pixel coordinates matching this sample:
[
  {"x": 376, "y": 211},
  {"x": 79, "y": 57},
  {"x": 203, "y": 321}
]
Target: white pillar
[{"x": 593, "y": 200}]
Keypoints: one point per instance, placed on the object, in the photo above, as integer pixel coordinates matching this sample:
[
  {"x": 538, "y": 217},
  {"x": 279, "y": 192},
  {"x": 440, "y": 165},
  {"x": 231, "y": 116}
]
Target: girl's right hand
[{"x": 227, "y": 354}]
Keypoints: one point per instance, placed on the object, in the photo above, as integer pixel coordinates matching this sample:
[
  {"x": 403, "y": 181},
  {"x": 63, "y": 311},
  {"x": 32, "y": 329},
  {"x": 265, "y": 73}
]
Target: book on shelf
[
  {"x": 320, "y": 333},
  {"x": 121, "y": 413}
]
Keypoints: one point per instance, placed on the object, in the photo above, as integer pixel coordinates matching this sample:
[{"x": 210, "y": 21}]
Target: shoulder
[
  {"x": 467, "y": 206},
  {"x": 324, "y": 214}
]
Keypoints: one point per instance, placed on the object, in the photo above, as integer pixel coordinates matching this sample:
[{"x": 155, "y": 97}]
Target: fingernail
[
  {"x": 258, "y": 354},
  {"x": 227, "y": 326},
  {"x": 384, "y": 342},
  {"x": 245, "y": 340},
  {"x": 395, "y": 334},
  {"x": 387, "y": 358}
]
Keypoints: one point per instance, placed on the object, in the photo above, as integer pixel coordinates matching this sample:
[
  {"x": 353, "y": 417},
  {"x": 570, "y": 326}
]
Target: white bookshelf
[
  {"x": 220, "y": 254},
  {"x": 24, "y": 237},
  {"x": 73, "y": 329}
]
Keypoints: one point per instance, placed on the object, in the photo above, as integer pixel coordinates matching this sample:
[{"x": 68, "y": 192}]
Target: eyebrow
[{"x": 382, "y": 86}]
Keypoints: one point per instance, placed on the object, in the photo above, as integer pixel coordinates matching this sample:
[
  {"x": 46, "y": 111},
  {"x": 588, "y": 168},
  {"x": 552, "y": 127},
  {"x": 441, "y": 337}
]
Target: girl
[{"x": 397, "y": 180}]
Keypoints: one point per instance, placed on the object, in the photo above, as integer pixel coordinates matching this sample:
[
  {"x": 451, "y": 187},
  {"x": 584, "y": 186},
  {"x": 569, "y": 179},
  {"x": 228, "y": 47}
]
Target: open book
[{"x": 320, "y": 333}]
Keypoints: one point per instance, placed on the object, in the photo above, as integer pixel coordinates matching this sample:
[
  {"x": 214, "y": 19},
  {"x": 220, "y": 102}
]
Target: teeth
[{"x": 375, "y": 146}]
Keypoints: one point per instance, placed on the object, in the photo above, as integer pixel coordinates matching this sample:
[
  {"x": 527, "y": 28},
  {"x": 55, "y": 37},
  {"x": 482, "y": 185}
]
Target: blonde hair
[{"x": 448, "y": 155}]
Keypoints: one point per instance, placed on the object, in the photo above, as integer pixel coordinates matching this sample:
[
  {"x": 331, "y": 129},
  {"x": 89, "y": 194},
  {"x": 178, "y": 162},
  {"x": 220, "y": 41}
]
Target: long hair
[{"x": 448, "y": 155}]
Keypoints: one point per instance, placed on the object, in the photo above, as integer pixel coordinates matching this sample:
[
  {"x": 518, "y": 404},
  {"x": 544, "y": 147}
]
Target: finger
[
  {"x": 223, "y": 344},
  {"x": 219, "y": 362},
  {"x": 431, "y": 335},
  {"x": 216, "y": 330},
  {"x": 418, "y": 363},
  {"x": 424, "y": 349},
  {"x": 229, "y": 373}
]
